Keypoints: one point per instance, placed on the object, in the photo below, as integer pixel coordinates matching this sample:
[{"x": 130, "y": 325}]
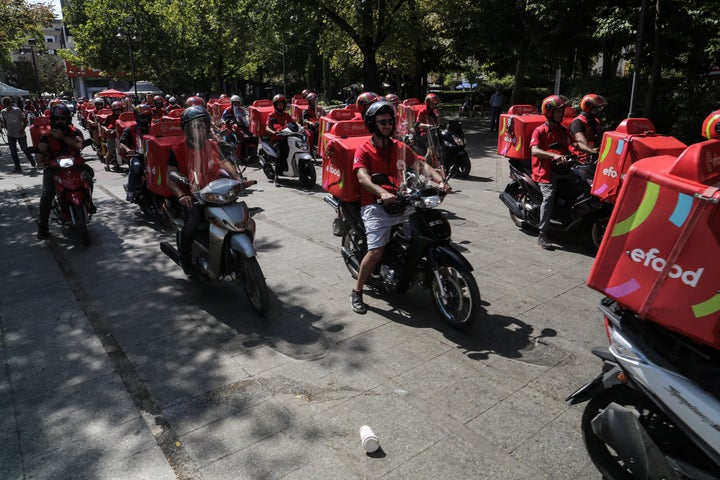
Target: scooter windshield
[{"x": 203, "y": 156}]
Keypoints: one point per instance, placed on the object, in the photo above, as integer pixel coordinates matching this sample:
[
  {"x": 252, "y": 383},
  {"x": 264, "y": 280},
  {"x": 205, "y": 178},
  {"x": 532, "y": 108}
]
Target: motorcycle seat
[{"x": 523, "y": 165}]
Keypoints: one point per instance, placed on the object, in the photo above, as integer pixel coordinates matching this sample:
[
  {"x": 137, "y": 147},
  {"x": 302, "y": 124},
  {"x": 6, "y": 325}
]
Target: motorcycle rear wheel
[
  {"x": 267, "y": 167},
  {"x": 597, "y": 231},
  {"x": 606, "y": 460},
  {"x": 463, "y": 162},
  {"x": 460, "y": 308},
  {"x": 253, "y": 280},
  {"x": 352, "y": 263},
  {"x": 80, "y": 223},
  {"x": 307, "y": 174},
  {"x": 519, "y": 196}
]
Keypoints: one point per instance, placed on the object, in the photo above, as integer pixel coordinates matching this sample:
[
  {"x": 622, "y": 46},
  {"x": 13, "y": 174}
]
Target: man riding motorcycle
[
  {"x": 586, "y": 127},
  {"x": 380, "y": 154},
  {"x": 143, "y": 118},
  {"x": 63, "y": 139},
  {"x": 200, "y": 154},
  {"x": 108, "y": 128},
  {"x": 428, "y": 117},
  {"x": 549, "y": 145},
  {"x": 276, "y": 121}
]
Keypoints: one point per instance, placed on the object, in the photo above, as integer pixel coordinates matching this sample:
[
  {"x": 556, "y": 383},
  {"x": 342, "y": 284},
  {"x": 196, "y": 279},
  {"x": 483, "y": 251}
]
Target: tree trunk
[
  {"x": 516, "y": 95},
  {"x": 219, "y": 74},
  {"x": 370, "y": 69},
  {"x": 654, "y": 77}
]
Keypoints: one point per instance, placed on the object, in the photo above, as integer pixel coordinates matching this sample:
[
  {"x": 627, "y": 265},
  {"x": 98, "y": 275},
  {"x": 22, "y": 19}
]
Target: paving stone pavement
[{"x": 115, "y": 366}]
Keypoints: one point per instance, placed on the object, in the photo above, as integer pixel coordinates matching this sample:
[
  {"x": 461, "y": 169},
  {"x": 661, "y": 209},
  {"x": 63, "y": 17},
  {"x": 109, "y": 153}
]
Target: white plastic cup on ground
[{"x": 369, "y": 441}]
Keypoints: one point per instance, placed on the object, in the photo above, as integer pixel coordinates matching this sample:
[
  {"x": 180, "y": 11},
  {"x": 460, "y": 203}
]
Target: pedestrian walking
[{"x": 14, "y": 121}]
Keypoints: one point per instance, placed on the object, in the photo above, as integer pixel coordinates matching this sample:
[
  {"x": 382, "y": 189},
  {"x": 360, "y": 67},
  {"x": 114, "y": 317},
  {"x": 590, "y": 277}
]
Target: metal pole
[
  {"x": 132, "y": 69},
  {"x": 638, "y": 55},
  {"x": 37, "y": 77}
]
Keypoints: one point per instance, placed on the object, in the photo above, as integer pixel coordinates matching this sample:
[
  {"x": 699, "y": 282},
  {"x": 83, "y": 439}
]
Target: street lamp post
[
  {"x": 123, "y": 34},
  {"x": 32, "y": 42}
]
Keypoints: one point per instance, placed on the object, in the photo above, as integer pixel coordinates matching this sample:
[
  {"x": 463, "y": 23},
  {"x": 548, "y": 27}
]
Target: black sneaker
[
  {"x": 544, "y": 243},
  {"x": 43, "y": 233},
  {"x": 32, "y": 162},
  {"x": 356, "y": 301},
  {"x": 18, "y": 170},
  {"x": 92, "y": 208}
]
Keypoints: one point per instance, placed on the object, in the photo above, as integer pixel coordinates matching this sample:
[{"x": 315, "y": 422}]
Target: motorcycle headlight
[
  {"x": 620, "y": 347},
  {"x": 459, "y": 141},
  {"x": 220, "y": 198},
  {"x": 427, "y": 202},
  {"x": 66, "y": 162}
]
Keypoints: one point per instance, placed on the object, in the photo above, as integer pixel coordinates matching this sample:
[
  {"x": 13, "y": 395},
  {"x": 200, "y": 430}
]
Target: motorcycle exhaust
[
  {"x": 170, "y": 251},
  {"x": 513, "y": 205},
  {"x": 331, "y": 201},
  {"x": 347, "y": 254}
]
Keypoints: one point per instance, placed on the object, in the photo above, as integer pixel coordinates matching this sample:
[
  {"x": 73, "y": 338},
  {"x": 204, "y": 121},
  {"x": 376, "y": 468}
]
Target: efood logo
[
  {"x": 610, "y": 172},
  {"x": 650, "y": 259},
  {"x": 333, "y": 170}
]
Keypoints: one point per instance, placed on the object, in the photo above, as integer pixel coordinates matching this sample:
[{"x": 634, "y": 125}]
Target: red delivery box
[
  {"x": 515, "y": 131},
  {"x": 660, "y": 256},
  {"x": 327, "y": 122},
  {"x": 259, "y": 112},
  {"x": 337, "y": 175},
  {"x": 158, "y": 142},
  {"x": 633, "y": 140},
  {"x": 297, "y": 107},
  {"x": 40, "y": 126}
]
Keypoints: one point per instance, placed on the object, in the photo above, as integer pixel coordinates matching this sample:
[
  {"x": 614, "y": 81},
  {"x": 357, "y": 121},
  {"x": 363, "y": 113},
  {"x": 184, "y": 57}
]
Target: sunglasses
[{"x": 385, "y": 122}]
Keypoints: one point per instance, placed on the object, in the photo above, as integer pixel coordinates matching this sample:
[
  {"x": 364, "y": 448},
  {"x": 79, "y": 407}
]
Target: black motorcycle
[
  {"x": 419, "y": 252},
  {"x": 151, "y": 204},
  {"x": 447, "y": 142},
  {"x": 574, "y": 210}
]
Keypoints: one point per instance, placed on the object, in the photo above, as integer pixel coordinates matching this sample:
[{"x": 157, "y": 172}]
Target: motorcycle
[
  {"x": 419, "y": 251},
  {"x": 299, "y": 162},
  {"x": 223, "y": 247},
  {"x": 449, "y": 142},
  {"x": 151, "y": 204},
  {"x": 654, "y": 411},
  {"x": 236, "y": 131},
  {"x": 574, "y": 207},
  {"x": 72, "y": 202}
]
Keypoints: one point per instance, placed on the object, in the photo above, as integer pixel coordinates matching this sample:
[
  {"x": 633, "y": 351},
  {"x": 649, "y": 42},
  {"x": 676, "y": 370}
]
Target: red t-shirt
[
  {"x": 548, "y": 137},
  {"x": 388, "y": 160},
  {"x": 277, "y": 121},
  {"x": 428, "y": 116}
]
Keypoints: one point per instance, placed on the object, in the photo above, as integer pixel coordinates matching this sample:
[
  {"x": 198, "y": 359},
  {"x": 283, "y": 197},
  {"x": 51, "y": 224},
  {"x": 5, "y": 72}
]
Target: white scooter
[
  {"x": 654, "y": 411},
  {"x": 299, "y": 162}
]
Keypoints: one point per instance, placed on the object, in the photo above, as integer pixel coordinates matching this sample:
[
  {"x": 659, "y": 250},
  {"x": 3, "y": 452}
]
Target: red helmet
[
  {"x": 277, "y": 99},
  {"x": 553, "y": 102},
  {"x": 117, "y": 105},
  {"x": 711, "y": 126},
  {"x": 431, "y": 98},
  {"x": 158, "y": 99},
  {"x": 364, "y": 100},
  {"x": 591, "y": 101},
  {"x": 143, "y": 116},
  {"x": 194, "y": 101},
  {"x": 392, "y": 98}
]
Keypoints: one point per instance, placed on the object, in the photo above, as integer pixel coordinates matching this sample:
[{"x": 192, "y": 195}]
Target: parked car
[{"x": 70, "y": 104}]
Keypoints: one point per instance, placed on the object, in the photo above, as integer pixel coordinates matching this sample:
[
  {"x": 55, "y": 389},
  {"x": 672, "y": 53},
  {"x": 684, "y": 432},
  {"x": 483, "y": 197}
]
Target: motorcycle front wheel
[
  {"x": 597, "y": 231},
  {"x": 267, "y": 167},
  {"x": 459, "y": 305},
  {"x": 80, "y": 223},
  {"x": 248, "y": 271},
  {"x": 605, "y": 458},
  {"x": 463, "y": 162}
]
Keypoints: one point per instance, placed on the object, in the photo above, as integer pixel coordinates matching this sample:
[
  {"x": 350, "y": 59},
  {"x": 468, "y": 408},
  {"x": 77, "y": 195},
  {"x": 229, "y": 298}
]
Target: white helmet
[
  {"x": 172, "y": 100},
  {"x": 235, "y": 98}
]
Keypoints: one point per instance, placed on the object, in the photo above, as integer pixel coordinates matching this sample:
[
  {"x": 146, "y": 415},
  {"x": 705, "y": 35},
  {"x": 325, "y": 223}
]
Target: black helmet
[
  {"x": 143, "y": 117},
  {"x": 60, "y": 111},
  {"x": 192, "y": 113},
  {"x": 380, "y": 107}
]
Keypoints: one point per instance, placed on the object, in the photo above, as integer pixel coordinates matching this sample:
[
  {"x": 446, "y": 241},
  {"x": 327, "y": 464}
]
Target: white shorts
[{"x": 378, "y": 224}]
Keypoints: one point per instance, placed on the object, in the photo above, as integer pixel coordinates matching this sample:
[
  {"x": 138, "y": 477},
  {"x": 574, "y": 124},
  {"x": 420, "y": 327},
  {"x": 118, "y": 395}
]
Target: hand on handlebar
[
  {"x": 186, "y": 201},
  {"x": 387, "y": 198}
]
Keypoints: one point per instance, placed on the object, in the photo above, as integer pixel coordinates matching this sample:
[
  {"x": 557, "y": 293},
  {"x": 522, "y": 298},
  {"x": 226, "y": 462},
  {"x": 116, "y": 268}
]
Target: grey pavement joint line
[
  {"x": 8, "y": 372},
  {"x": 177, "y": 456}
]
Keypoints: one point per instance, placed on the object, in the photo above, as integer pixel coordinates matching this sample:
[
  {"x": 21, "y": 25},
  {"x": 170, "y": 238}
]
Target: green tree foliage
[{"x": 21, "y": 20}]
